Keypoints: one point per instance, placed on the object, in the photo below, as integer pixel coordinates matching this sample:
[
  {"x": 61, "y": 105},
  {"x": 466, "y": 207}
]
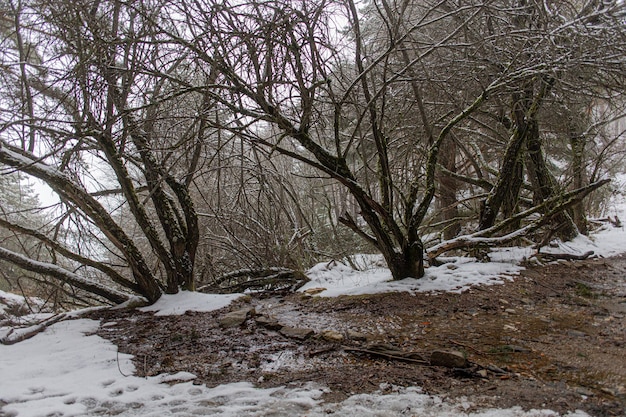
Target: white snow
[
  {"x": 68, "y": 371},
  {"x": 177, "y": 304},
  {"x": 457, "y": 273}
]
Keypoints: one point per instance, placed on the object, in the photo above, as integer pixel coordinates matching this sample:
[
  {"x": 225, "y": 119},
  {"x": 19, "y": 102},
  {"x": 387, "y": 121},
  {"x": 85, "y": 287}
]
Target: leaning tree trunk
[
  {"x": 544, "y": 184},
  {"x": 504, "y": 189},
  {"x": 525, "y": 107},
  {"x": 447, "y": 202},
  {"x": 510, "y": 204},
  {"x": 577, "y": 143}
]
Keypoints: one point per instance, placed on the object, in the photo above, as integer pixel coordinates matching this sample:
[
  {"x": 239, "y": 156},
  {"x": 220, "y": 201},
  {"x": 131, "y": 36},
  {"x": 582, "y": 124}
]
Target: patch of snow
[
  {"x": 457, "y": 273},
  {"x": 178, "y": 304},
  {"x": 11, "y": 298},
  {"x": 68, "y": 371},
  {"x": 411, "y": 401},
  {"x": 18, "y": 302}
]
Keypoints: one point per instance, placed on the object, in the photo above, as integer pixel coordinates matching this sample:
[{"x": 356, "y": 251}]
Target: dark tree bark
[
  {"x": 506, "y": 186},
  {"x": 447, "y": 203},
  {"x": 544, "y": 184},
  {"x": 577, "y": 144},
  {"x": 525, "y": 146}
]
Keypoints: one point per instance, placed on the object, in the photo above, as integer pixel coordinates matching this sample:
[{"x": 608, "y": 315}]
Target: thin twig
[
  {"x": 117, "y": 358},
  {"x": 385, "y": 355},
  {"x": 473, "y": 349}
]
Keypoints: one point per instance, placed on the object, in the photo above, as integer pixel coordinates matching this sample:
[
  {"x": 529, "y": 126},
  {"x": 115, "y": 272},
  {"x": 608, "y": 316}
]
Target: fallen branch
[
  {"x": 14, "y": 335},
  {"x": 483, "y": 237},
  {"x": 394, "y": 355},
  {"x": 615, "y": 221},
  {"x": 244, "y": 279},
  {"x": 473, "y": 349},
  {"x": 562, "y": 256}
]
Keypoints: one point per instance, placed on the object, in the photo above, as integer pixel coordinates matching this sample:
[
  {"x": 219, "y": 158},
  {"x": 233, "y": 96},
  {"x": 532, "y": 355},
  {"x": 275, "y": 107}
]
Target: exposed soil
[{"x": 554, "y": 337}]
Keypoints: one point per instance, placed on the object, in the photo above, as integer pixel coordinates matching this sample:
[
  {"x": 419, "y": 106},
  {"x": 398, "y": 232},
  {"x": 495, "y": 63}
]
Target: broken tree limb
[
  {"x": 17, "y": 335},
  {"x": 483, "y": 237},
  {"x": 562, "y": 256},
  {"x": 244, "y": 279}
]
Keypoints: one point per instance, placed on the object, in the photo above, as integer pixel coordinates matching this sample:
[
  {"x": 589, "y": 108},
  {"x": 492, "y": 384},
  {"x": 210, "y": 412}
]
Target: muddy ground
[{"x": 554, "y": 337}]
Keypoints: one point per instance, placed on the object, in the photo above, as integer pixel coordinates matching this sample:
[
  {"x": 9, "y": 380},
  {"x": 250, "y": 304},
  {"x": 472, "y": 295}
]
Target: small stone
[
  {"x": 510, "y": 311},
  {"x": 482, "y": 373},
  {"x": 576, "y": 333},
  {"x": 313, "y": 291},
  {"x": 584, "y": 391},
  {"x": 268, "y": 322},
  {"x": 236, "y": 318},
  {"x": 332, "y": 336},
  {"x": 449, "y": 359},
  {"x": 515, "y": 348},
  {"x": 296, "y": 332},
  {"x": 356, "y": 336},
  {"x": 496, "y": 370}
]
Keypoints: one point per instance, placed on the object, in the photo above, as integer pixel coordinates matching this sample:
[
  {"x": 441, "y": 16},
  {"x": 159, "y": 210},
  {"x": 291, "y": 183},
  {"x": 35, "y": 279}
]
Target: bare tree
[
  {"x": 95, "y": 106},
  {"x": 343, "y": 111},
  {"x": 404, "y": 105}
]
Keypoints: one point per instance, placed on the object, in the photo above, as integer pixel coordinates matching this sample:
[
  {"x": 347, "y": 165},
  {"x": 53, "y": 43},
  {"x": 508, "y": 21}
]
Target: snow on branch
[
  {"x": 57, "y": 272},
  {"x": 483, "y": 237}
]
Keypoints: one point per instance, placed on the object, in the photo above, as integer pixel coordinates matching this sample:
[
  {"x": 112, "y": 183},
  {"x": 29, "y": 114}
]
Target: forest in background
[{"x": 226, "y": 144}]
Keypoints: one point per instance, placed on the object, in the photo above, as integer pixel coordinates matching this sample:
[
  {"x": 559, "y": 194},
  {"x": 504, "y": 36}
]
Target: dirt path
[{"x": 554, "y": 338}]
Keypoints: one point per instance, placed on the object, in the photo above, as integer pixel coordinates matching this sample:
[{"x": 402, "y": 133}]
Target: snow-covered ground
[
  {"x": 69, "y": 371},
  {"x": 457, "y": 273}
]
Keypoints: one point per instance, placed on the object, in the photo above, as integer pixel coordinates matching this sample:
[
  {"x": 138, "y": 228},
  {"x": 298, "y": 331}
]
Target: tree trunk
[
  {"x": 544, "y": 183},
  {"x": 504, "y": 187},
  {"x": 409, "y": 263},
  {"x": 510, "y": 204},
  {"x": 577, "y": 143},
  {"x": 525, "y": 106},
  {"x": 447, "y": 202}
]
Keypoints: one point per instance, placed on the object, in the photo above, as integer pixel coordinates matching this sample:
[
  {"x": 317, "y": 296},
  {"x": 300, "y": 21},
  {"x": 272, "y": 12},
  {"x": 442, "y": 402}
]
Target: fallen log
[
  {"x": 270, "y": 279},
  {"x": 549, "y": 257}
]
